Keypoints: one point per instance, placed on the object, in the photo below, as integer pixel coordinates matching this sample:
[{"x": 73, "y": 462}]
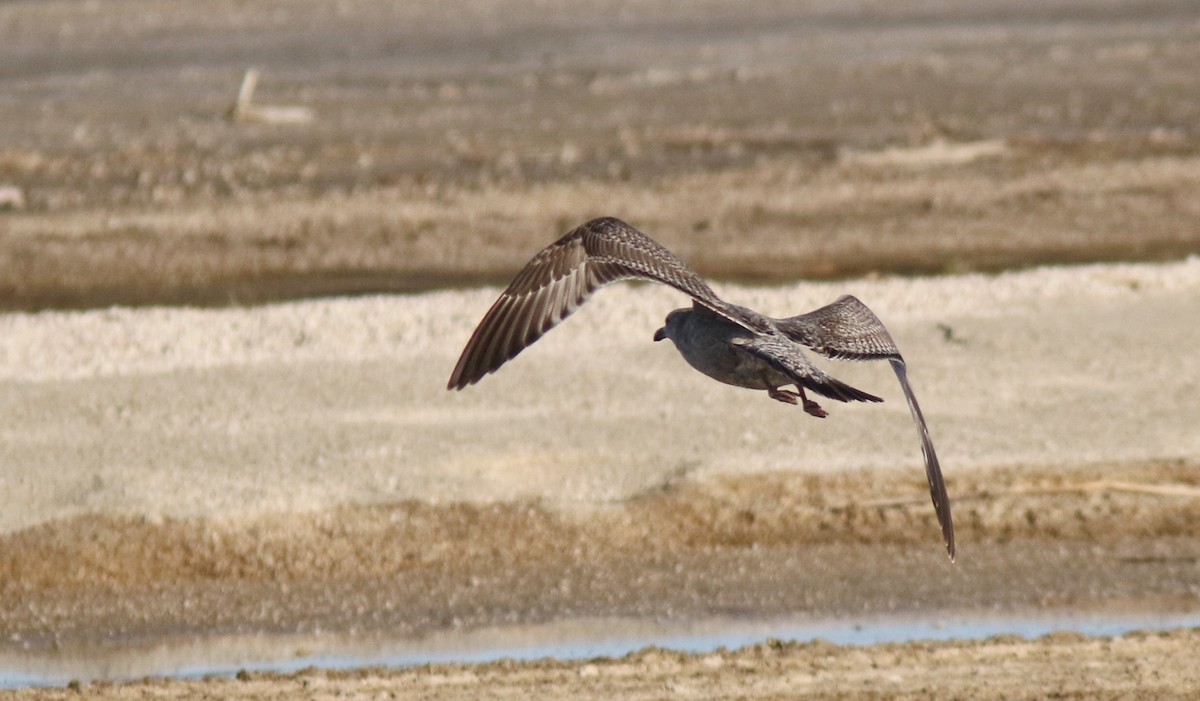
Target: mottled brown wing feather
[
  {"x": 933, "y": 470},
  {"x": 846, "y": 330},
  {"x": 562, "y": 276}
]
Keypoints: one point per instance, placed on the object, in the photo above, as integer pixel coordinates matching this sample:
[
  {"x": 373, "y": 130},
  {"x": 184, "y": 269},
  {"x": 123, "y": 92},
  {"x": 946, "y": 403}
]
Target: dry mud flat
[{"x": 791, "y": 141}]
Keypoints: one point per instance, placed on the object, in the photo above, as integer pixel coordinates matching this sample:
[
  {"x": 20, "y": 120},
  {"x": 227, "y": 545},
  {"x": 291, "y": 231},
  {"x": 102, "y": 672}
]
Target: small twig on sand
[
  {"x": 244, "y": 109},
  {"x": 1164, "y": 490}
]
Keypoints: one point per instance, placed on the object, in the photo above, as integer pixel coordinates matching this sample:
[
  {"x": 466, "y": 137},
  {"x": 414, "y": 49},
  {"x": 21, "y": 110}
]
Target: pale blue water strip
[{"x": 561, "y": 641}]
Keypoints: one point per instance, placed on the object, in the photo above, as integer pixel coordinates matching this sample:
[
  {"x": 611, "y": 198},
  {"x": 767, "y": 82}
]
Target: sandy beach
[
  {"x": 225, "y": 344},
  {"x": 231, "y": 414},
  {"x": 301, "y": 467}
]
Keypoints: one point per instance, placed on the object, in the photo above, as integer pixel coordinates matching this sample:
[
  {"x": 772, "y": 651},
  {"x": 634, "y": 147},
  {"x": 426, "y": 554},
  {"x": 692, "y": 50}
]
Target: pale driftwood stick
[
  {"x": 246, "y": 92},
  {"x": 244, "y": 109}
]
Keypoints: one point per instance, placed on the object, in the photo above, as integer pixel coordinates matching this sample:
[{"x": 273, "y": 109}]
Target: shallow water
[{"x": 568, "y": 640}]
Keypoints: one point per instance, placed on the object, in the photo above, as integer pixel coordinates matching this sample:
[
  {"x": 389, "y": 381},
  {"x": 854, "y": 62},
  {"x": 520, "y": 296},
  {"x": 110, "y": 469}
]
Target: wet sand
[{"x": 188, "y": 474}]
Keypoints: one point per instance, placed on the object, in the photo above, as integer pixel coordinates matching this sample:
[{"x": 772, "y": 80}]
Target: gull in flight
[{"x": 727, "y": 342}]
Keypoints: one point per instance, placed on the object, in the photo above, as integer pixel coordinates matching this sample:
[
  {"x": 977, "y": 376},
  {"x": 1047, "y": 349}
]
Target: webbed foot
[
  {"x": 783, "y": 395},
  {"x": 811, "y": 407}
]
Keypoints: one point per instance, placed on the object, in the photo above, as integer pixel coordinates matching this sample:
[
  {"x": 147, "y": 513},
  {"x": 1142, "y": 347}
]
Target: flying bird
[{"x": 727, "y": 342}]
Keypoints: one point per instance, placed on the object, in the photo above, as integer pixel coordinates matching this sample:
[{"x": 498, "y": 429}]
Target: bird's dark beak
[{"x": 660, "y": 334}]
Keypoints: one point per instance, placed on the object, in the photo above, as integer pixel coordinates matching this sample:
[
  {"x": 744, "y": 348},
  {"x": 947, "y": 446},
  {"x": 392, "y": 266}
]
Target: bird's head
[{"x": 674, "y": 320}]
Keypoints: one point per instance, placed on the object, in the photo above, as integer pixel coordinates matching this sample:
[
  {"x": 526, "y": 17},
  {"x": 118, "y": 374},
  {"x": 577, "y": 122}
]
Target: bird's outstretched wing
[
  {"x": 849, "y": 330},
  {"x": 846, "y": 330},
  {"x": 933, "y": 470},
  {"x": 562, "y": 276}
]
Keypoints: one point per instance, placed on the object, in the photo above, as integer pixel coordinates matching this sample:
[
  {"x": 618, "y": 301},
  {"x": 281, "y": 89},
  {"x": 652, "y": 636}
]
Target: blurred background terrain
[{"x": 426, "y": 145}]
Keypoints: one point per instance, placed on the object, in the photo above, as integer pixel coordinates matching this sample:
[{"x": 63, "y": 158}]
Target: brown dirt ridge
[{"x": 771, "y": 545}]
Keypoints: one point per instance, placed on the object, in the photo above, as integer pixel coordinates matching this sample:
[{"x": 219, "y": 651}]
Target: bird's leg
[
  {"x": 782, "y": 395},
  {"x": 787, "y": 397},
  {"x": 811, "y": 407}
]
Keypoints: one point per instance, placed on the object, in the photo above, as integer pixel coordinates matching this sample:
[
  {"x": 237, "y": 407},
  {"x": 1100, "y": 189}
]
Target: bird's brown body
[{"x": 727, "y": 342}]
